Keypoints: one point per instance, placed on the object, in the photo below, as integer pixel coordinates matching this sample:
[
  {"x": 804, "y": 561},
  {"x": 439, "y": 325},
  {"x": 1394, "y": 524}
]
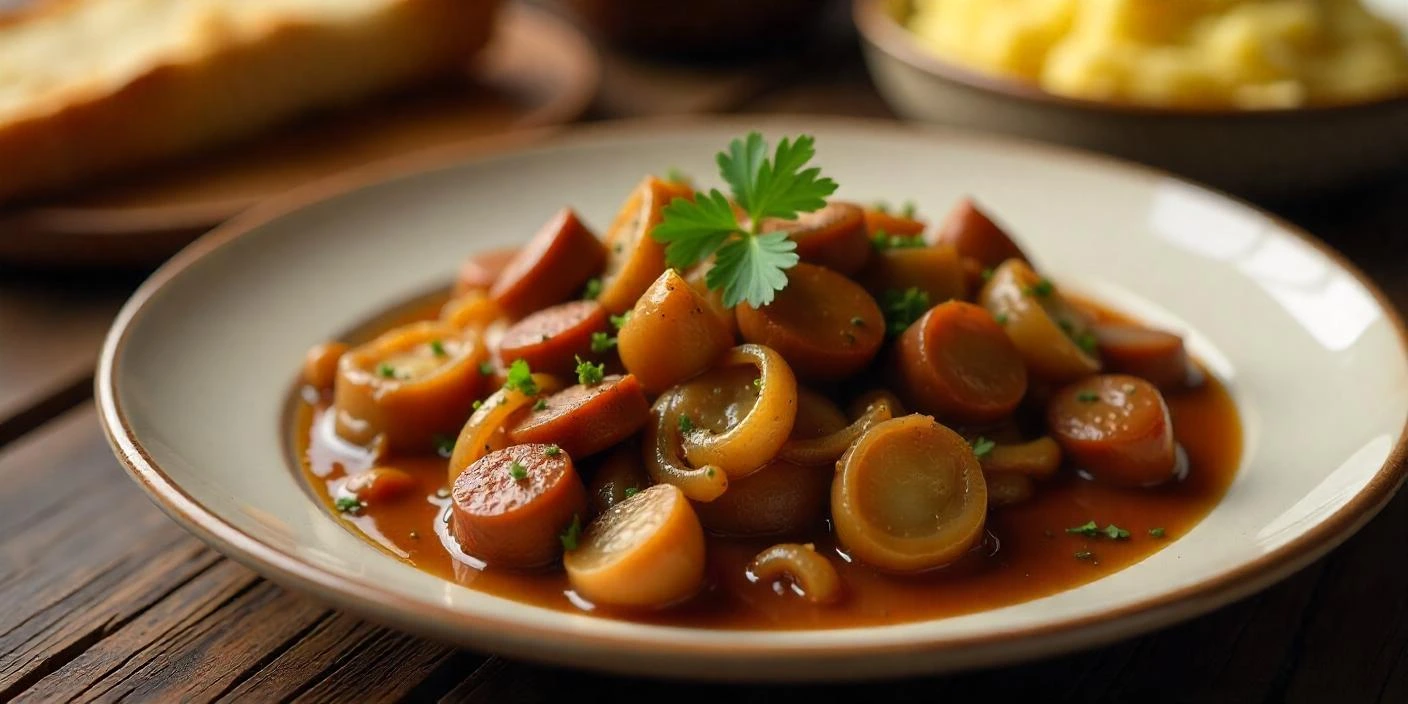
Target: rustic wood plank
[{"x": 51, "y": 326}]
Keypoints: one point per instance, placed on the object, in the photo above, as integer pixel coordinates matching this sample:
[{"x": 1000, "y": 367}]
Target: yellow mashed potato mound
[{"x": 1248, "y": 54}]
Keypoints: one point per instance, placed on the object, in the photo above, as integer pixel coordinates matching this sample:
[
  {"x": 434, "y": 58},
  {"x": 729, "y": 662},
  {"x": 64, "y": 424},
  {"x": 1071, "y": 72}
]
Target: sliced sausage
[
  {"x": 551, "y": 339},
  {"x": 510, "y": 507},
  {"x": 935, "y": 270},
  {"x": 1154, "y": 355},
  {"x": 634, "y": 259},
  {"x": 645, "y": 552},
  {"x": 825, "y": 325},
  {"x": 672, "y": 334},
  {"x": 583, "y": 419},
  {"x": 480, "y": 271},
  {"x": 975, "y": 235},
  {"x": 833, "y": 237},
  {"x": 1117, "y": 428},
  {"x": 551, "y": 268},
  {"x": 956, "y": 363}
]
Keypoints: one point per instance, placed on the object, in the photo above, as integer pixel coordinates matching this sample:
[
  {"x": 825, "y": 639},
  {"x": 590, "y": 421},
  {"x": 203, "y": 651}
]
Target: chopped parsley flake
[
  {"x": 520, "y": 378},
  {"x": 1089, "y": 530},
  {"x": 572, "y": 534},
  {"x": 630, "y": 491},
  {"x": 601, "y": 342},
  {"x": 1001, "y": 318},
  {"x": 477, "y": 404},
  {"x": 588, "y": 373},
  {"x": 541, "y": 405},
  {"x": 1156, "y": 532},
  {"x": 1114, "y": 532},
  {"x": 882, "y": 241},
  {"x": 552, "y": 451},
  {"x": 386, "y": 371},
  {"x": 517, "y": 471},
  {"x": 987, "y": 274},
  {"x": 349, "y": 504},
  {"x": 619, "y": 321},
  {"x": 982, "y": 446},
  {"x": 486, "y": 368},
  {"x": 908, "y": 209},
  {"x": 686, "y": 425},
  {"x": 437, "y": 348},
  {"x": 1084, "y": 555},
  {"x": 758, "y": 383},
  {"x": 1087, "y": 397},
  {"x": 592, "y": 290},
  {"x": 1087, "y": 342},
  {"x": 1041, "y": 289},
  {"x": 902, "y": 308}
]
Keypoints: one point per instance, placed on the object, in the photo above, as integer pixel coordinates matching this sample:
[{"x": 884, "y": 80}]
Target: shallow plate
[
  {"x": 199, "y": 366},
  {"x": 538, "y": 70}
]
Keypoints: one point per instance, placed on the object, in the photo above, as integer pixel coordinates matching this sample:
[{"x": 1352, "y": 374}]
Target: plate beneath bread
[{"x": 538, "y": 71}]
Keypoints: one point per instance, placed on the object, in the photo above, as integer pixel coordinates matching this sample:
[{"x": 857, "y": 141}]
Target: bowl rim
[
  {"x": 880, "y": 30},
  {"x": 371, "y": 600}
]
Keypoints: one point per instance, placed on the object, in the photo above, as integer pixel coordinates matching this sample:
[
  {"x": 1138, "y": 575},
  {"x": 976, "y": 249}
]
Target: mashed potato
[{"x": 1187, "y": 53}]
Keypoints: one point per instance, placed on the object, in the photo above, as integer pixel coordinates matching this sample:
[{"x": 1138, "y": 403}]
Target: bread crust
[{"x": 237, "y": 88}]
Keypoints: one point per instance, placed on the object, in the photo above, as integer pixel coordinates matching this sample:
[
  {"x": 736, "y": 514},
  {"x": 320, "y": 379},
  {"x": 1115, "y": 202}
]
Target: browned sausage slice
[
  {"x": 957, "y": 363},
  {"x": 1117, "y": 428},
  {"x": 584, "y": 420},
  {"x": 510, "y": 506},
  {"x": 880, "y": 222},
  {"x": 825, "y": 325},
  {"x": 833, "y": 237},
  {"x": 551, "y": 268},
  {"x": 1149, "y": 354},
  {"x": 975, "y": 235},
  {"x": 551, "y": 339},
  {"x": 480, "y": 271}
]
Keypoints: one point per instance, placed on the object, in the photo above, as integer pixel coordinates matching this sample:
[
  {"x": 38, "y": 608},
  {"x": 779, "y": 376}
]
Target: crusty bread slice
[{"x": 94, "y": 87}]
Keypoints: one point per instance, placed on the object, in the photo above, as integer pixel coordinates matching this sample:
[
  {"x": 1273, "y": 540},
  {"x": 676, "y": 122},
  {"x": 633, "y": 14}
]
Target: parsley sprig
[{"x": 750, "y": 266}]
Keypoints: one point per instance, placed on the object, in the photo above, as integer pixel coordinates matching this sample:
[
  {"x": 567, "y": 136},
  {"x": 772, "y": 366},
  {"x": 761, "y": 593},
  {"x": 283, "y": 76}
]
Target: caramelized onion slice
[
  {"x": 664, "y": 461},
  {"x": 1041, "y": 324},
  {"x": 909, "y": 496},
  {"x": 486, "y": 430},
  {"x": 810, "y": 573},
  {"x": 829, "y": 448},
  {"x": 645, "y": 552},
  {"x": 741, "y": 437}
]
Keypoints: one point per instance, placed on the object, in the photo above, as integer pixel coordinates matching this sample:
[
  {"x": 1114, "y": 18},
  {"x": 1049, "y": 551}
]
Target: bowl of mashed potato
[{"x": 1262, "y": 97}]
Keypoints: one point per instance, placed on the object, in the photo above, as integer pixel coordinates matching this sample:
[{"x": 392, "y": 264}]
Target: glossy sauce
[{"x": 1027, "y": 553}]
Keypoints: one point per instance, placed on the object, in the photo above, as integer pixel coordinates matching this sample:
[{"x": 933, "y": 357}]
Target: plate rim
[{"x": 807, "y": 661}]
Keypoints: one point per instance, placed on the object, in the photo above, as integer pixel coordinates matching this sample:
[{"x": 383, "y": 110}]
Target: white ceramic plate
[{"x": 197, "y": 371}]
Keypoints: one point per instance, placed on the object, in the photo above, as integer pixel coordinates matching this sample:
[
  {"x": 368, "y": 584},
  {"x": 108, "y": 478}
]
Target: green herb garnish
[
  {"x": 601, "y": 342},
  {"x": 1041, "y": 289},
  {"x": 685, "y": 424},
  {"x": 477, "y": 404},
  {"x": 1087, "y": 397},
  {"x": 1089, "y": 530},
  {"x": 749, "y": 266},
  {"x": 882, "y": 241},
  {"x": 486, "y": 368},
  {"x": 902, "y": 308},
  {"x": 588, "y": 373},
  {"x": 592, "y": 290},
  {"x": 619, "y": 321},
  {"x": 1001, "y": 318},
  {"x": 517, "y": 471},
  {"x": 552, "y": 451},
  {"x": 572, "y": 534},
  {"x": 1156, "y": 532},
  {"x": 1084, "y": 555},
  {"x": 1087, "y": 342},
  {"x": 987, "y": 274},
  {"x": 982, "y": 446},
  {"x": 349, "y": 504},
  {"x": 520, "y": 378},
  {"x": 541, "y": 405},
  {"x": 437, "y": 348},
  {"x": 386, "y": 371},
  {"x": 1114, "y": 532},
  {"x": 630, "y": 491}
]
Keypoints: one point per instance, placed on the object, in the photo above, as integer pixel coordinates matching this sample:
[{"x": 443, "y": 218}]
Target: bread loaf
[{"x": 91, "y": 88}]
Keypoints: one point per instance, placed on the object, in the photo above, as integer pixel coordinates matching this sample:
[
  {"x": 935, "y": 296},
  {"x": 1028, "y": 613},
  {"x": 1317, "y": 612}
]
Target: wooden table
[{"x": 102, "y": 597}]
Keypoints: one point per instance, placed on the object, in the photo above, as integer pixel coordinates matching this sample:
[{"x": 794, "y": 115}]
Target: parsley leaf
[
  {"x": 686, "y": 423},
  {"x": 590, "y": 374},
  {"x": 592, "y": 290},
  {"x": 752, "y": 270},
  {"x": 1087, "y": 397},
  {"x": 630, "y": 491},
  {"x": 619, "y": 321},
  {"x": 349, "y": 504},
  {"x": 902, "y": 308},
  {"x": 1114, "y": 532},
  {"x": 750, "y": 266},
  {"x": 982, "y": 446},
  {"x": 444, "y": 445},
  {"x": 520, "y": 378},
  {"x": 517, "y": 471},
  {"x": 437, "y": 348},
  {"x": 552, "y": 451},
  {"x": 1156, "y": 532},
  {"x": 601, "y": 342},
  {"x": 572, "y": 534},
  {"x": 1089, "y": 530}
]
